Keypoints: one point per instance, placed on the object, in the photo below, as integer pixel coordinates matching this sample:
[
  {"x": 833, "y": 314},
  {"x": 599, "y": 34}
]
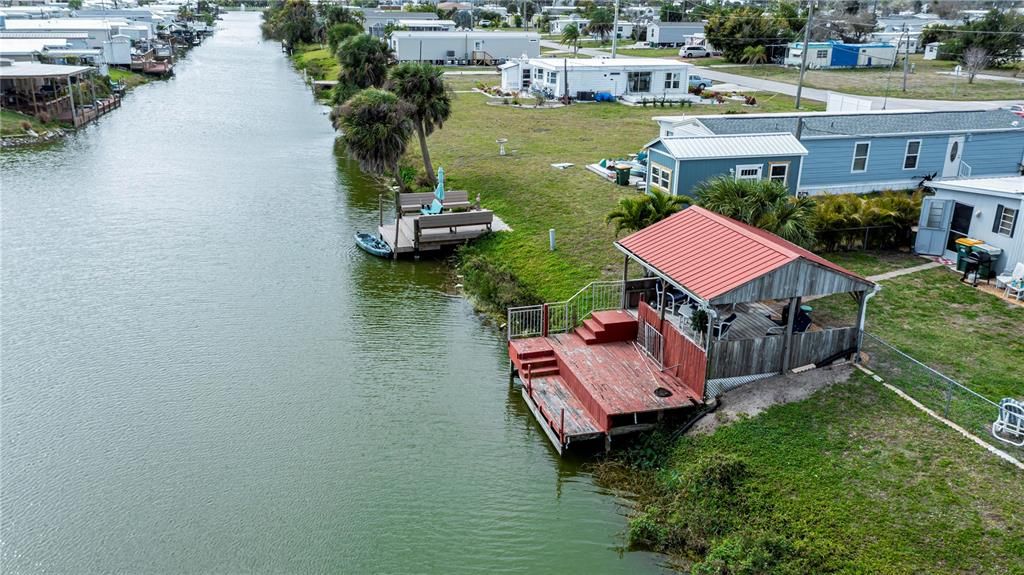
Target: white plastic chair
[
  {"x": 1014, "y": 282},
  {"x": 1009, "y": 427}
]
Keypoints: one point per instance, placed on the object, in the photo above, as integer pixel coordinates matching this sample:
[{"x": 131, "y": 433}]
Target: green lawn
[
  {"x": 851, "y": 480},
  {"x": 963, "y": 332},
  {"x": 129, "y": 78},
  {"x": 317, "y": 60},
  {"x": 468, "y": 82},
  {"x": 532, "y": 197},
  {"x": 12, "y": 123},
  {"x": 874, "y": 263},
  {"x": 925, "y": 83}
]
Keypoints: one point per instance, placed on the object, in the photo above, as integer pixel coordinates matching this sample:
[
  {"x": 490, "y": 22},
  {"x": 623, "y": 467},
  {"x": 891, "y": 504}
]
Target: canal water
[{"x": 201, "y": 373}]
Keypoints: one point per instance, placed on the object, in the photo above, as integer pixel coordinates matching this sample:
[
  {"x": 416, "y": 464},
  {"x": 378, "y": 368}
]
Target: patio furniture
[
  {"x": 1013, "y": 282},
  {"x": 435, "y": 207},
  {"x": 1009, "y": 426},
  {"x": 675, "y": 297},
  {"x": 801, "y": 322},
  {"x": 722, "y": 328}
]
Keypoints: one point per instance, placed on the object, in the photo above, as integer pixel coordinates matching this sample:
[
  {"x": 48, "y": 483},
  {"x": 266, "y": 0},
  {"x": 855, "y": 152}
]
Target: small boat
[{"x": 373, "y": 244}]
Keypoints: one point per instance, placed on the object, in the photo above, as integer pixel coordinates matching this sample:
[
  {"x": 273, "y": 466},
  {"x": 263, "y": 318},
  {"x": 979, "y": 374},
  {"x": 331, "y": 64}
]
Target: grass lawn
[
  {"x": 552, "y": 53},
  {"x": 851, "y": 480},
  {"x": 317, "y": 60},
  {"x": 924, "y": 84},
  {"x": 129, "y": 78},
  {"x": 469, "y": 81},
  {"x": 874, "y": 263},
  {"x": 532, "y": 197},
  {"x": 965, "y": 333},
  {"x": 11, "y": 123},
  {"x": 650, "y": 52}
]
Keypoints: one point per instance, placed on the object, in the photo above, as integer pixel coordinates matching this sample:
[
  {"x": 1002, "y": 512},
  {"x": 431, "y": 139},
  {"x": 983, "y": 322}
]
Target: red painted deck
[{"x": 597, "y": 376}]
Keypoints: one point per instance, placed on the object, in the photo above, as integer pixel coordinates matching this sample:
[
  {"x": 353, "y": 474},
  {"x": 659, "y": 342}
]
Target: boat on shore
[{"x": 373, "y": 245}]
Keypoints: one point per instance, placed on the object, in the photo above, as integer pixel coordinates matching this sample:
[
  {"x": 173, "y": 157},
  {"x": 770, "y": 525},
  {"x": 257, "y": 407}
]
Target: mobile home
[
  {"x": 627, "y": 78},
  {"x": 464, "y": 47}
]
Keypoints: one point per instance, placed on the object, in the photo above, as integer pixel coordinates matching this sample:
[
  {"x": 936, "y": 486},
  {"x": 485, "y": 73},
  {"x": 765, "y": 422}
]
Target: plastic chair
[{"x": 1010, "y": 422}]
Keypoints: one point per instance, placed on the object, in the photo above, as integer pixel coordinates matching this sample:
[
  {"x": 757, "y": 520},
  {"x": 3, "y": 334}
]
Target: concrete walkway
[{"x": 904, "y": 271}]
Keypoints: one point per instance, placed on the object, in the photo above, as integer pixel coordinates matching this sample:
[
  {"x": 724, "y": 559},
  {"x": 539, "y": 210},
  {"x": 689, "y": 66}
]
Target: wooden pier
[{"x": 460, "y": 222}]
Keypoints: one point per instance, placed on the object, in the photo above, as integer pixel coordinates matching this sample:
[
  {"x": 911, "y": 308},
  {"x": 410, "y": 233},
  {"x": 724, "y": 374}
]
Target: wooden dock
[{"x": 418, "y": 233}]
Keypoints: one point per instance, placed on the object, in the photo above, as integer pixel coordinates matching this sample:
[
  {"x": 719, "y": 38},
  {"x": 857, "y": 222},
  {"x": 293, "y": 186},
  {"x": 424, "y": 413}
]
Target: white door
[{"x": 954, "y": 151}]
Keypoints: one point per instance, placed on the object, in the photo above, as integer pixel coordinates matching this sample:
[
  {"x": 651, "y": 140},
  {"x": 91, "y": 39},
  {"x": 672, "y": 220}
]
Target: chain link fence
[{"x": 942, "y": 394}]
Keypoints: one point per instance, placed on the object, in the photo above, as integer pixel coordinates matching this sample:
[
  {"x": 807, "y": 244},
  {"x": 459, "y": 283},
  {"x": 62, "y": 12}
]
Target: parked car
[
  {"x": 694, "y": 52},
  {"x": 698, "y": 81},
  {"x": 1017, "y": 109}
]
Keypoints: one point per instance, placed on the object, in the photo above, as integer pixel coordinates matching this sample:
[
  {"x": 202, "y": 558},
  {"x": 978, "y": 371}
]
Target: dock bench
[
  {"x": 412, "y": 202},
  {"x": 452, "y": 221}
]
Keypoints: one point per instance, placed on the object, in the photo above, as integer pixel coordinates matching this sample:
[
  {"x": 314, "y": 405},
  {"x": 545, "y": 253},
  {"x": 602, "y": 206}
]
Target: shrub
[
  {"x": 494, "y": 285},
  {"x": 538, "y": 98},
  {"x": 44, "y": 117},
  {"x": 25, "y": 125}
]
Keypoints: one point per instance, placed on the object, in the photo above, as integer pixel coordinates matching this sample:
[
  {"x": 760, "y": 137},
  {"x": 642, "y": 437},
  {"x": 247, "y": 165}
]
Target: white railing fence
[
  {"x": 564, "y": 316},
  {"x": 652, "y": 342}
]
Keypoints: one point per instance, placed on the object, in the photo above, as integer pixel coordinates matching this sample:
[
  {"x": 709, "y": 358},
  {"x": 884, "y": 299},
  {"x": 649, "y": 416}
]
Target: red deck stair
[
  {"x": 607, "y": 327},
  {"x": 534, "y": 357}
]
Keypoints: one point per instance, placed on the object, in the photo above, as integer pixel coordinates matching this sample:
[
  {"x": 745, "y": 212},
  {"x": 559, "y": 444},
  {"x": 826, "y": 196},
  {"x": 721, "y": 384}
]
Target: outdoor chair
[
  {"x": 1014, "y": 282},
  {"x": 674, "y": 297},
  {"x": 801, "y": 322},
  {"x": 1009, "y": 426},
  {"x": 435, "y": 207},
  {"x": 723, "y": 328}
]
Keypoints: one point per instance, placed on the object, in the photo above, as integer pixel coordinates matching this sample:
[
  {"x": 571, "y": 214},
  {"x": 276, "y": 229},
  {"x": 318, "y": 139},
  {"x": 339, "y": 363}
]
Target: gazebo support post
[
  {"x": 862, "y": 310},
  {"x": 661, "y": 304},
  {"x": 625, "y": 278},
  {"x": 74, "y": 118},
  {"x": 794, "y": 304}
]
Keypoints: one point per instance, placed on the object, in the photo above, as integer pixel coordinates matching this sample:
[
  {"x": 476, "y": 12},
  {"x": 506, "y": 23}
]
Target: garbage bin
[
  {"x": 622, "y": 174},
  {"x": 985, "y": 269},
  {"x": 963, "y": 249}
]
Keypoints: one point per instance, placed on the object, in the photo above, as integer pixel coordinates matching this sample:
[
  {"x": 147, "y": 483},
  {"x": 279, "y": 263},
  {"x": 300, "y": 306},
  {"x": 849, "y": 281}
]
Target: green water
[{"x": 201, "y": 373}]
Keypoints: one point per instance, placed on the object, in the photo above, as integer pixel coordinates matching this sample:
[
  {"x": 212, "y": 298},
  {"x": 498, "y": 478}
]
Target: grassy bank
[
  {"x": 961, "y": 331},
  {"x": 128, "y": 78},
  {"x": 925, "y": 83},
  {"x": 852, "y": 480},
  {"x": 532, "y": 197},
  {"x": 13, "y": 124},
  {"x": 317, "y": 60}
]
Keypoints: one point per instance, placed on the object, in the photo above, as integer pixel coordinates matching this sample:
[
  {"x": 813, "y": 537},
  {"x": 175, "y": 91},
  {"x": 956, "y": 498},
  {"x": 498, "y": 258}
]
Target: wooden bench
[
  {"x": 411, "y": 203},
  {"x": 452, "y": 221}
]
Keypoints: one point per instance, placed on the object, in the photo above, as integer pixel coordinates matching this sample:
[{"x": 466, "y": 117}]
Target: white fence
[{"x": 564, "y": 316}]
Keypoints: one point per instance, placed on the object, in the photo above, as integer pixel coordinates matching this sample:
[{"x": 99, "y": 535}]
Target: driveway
[{"x": 813, "y": 93}]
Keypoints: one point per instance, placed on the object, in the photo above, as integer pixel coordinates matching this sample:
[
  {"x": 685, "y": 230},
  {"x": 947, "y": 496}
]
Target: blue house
[
  {"x": 833, "y": 54},
  {"x": 863, "y": 151}
]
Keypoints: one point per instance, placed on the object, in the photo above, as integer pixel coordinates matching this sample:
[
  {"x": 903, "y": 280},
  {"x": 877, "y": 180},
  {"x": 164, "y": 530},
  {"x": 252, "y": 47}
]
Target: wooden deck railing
[{"x": 564, "y": 316}]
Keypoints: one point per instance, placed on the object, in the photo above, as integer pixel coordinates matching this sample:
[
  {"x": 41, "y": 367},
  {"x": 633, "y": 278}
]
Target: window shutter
[
  {"x": 999, "y": 217},
  {"x": 1013, "y": 226}
]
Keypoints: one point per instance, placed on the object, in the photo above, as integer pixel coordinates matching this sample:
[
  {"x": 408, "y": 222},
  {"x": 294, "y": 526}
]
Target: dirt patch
[{"x": 753, "y": 398}]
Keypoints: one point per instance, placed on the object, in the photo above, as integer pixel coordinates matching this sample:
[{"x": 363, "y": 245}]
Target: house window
[
  {"x": 935, "y": 214},
  {"x": 822, "y": 54},
  {"x": 552, "y": 77},
  {"x": 661, "y": 177},
  {"x": 639, "y": 81},
  {"x": 748, "y": 172},
  {"x": 1006, "y": 219},
  {"x": 860, "y": 157},
  {"x": 672, "y": 81},
  {"x": 911, "y": 155},
  {"x": 778, "y": 172}
]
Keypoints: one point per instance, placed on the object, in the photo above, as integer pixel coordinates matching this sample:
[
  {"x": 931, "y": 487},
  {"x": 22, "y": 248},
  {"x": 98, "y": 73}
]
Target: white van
[{"x": 694, "y": 52}]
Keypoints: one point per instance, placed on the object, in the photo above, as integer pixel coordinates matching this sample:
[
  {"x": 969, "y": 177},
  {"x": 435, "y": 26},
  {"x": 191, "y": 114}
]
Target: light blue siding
[
  {"x": 981, "y": 226},
  {"x": 693, "y": 172},
  {"x": 995, "y": 154},
  {"x": 658, "y": 155}
]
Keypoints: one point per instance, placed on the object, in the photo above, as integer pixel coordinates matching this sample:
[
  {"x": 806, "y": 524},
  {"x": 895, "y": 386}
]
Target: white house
[
  {"x": 904, "y": 42},
  {"x": 463, "y": 47},
  {"x": 672, "y": 33},
  {"x": 833, "y": 54},
  {"x": 375, "y": 21},
  {"x": 426, "y": 25},
  {"x": 628, "y": 78},
  {"x": 558, "y": 26}
]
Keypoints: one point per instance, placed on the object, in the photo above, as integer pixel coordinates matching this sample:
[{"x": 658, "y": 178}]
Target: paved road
[{"x": 814, "y": 93}]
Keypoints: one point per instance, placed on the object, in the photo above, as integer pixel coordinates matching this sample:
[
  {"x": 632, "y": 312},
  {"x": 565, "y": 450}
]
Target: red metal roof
[{"x": 710, "y": 254}]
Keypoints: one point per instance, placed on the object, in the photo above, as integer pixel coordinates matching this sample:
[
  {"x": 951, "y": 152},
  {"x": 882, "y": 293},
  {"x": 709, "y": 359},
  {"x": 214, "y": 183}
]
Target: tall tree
[
  {"x": 754, "y": 55},
  {"x": 571, "y": 37},
  {"x": 422, "y": 86},
  {"x": 376, "y": 126},
  {"x": 601, "y": 23},
  {"x": 733, "y": 29},
  {"x": 975, "y": 59},
  {"x": 338, "y": 33},
  {"x": 761, "y": 203},
  {"x": 364, "y": 64}
]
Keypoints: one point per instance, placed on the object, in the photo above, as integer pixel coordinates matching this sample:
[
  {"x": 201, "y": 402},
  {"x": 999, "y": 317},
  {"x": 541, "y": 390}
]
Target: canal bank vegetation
[{"x": 851, "y": 480}]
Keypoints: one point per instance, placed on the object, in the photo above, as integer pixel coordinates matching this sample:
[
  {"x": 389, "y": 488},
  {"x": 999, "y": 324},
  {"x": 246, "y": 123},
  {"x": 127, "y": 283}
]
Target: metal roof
[
  {"x": 609, "y": 63},
  {"x": 37, "y": 70},
  {"x": 710, "y": 255},
  {"x": 45, "y": 35},
  {"x": 29, "y": 45},
  {"x": 1008, "y": 185},
  {"x": 748, "y": 145},
  {"x": 826, "y": 124}
]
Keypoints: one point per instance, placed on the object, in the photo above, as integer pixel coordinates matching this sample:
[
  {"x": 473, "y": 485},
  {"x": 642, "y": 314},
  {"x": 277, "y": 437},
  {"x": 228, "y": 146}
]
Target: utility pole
[
  {"x": 615, "y": 29},
  {"x": 906, "y": 55},
  {"x": 803, "y": 56}
]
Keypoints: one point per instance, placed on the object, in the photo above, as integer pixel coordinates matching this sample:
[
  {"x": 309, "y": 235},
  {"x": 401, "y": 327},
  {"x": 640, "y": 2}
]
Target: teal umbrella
[{"x": 439, "y": 191}]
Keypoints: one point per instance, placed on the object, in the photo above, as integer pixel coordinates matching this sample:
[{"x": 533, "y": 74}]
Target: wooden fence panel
[{"x": 815, "y": 346}]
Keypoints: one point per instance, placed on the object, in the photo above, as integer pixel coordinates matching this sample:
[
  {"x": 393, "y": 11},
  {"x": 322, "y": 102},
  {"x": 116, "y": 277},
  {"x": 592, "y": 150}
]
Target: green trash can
[
  {"x": 622, "y": 174},
  {"x": 963, "y": 249},
  {"x": 985, "y": 269}
]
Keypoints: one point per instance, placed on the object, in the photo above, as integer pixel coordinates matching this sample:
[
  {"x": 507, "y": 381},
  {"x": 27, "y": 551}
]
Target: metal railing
[
  {"x": 652, "y": 342},
  {"x": 937, "y": 391},
  {"x": 564, "y": 316}
]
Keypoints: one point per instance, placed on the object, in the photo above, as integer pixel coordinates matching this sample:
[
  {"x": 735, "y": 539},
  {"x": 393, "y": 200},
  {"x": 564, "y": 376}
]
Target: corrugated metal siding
[
  {"x": 711, "y": 255},
  {"x": 746, "y": 146}
]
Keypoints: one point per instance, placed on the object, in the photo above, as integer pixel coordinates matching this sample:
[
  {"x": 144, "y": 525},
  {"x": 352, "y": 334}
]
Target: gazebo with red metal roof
[{"x": 617, "y": 357}]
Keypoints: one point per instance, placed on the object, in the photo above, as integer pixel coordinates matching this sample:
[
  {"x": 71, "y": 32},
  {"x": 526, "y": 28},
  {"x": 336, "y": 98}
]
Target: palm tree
[
  {"x": 664, "y": 204},
  {"x": 571, "y": 37},
  {"x": 376, "y": 126},
  {"x": 422, "y": 86},
  {"x": 364, "y": 64},
  {"x": 754, "y": 55},
  {"x": 760, "y": 203},
  {"x": 632, "y": 213}
]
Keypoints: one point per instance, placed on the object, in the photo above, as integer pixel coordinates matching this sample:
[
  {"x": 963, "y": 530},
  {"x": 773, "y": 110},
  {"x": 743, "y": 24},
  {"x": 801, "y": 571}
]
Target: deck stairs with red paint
[
  {"x": 534, "y": 357},
  {"x": 607, "y": 327}
]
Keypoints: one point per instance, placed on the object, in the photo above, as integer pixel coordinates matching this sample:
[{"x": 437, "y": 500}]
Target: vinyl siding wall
[
  {"x": 995, "y": 154},
  {"x": 656, "y": 154},
  {"x": 981, "y": 226},
  {"x": 693, "y": 172}
]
